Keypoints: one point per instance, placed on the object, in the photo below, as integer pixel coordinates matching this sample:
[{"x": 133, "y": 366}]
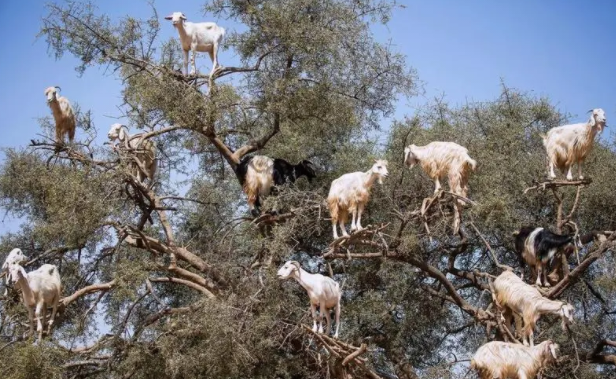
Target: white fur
[
  {"x": 63, "y": 114},
  {"x": 323, "y": 292},
  {"x": 502, "y": 360},
  {"x": 351, "y": 192},
  {"x": 40, "y": 288},
  {"x": 203, "y": 37},
  {"x": 569, "y": 144},
  {"x": 514, "y": 296},
  {"x": 259, "y": 179},
  {"x": 438, "y": 159},
  {"x": 145, "y": 152}
]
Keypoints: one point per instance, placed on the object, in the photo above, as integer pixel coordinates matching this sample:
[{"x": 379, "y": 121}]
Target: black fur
[
  {"x": 544, "y": 242},
  {"x": 284, "y": 172}
]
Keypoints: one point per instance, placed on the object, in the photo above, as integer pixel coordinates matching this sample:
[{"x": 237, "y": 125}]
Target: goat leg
[{"x": 313, "y": 310}]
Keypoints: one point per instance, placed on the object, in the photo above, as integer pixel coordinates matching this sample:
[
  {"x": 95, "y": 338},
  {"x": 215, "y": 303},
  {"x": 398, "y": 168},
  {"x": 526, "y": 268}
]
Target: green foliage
[{"x": 192, "y": 288}]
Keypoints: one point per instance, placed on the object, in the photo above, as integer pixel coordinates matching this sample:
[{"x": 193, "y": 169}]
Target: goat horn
[
  {"x": 58, "y": 87},
  {"x": 590, "y": 111},
  {"x": 296, "y": 264}
]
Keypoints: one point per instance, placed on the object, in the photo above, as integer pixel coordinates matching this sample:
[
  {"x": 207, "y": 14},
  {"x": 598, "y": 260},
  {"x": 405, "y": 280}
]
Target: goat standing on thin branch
[
  {"x": 510, "y": 360},
  {"x": 204, "y": 37},
  {"x": 350, "y": 193},
  {"x": 438, "y": 159},
  {"x": 323, "y": 292},
  {"x": 259, "y": 174},
  {"x": 537, "y": 247},
  {"x": 40, "y": 288},
  {"x": 145, "y": 152},
  {"x": 63, "y": 115},
  {"x": 512, "y": 295},
  {"x": 569, "y": 144}
]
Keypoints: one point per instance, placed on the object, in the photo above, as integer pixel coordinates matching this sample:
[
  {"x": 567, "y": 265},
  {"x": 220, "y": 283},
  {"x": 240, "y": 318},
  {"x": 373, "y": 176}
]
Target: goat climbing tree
[{"x": 167, "y": 283}]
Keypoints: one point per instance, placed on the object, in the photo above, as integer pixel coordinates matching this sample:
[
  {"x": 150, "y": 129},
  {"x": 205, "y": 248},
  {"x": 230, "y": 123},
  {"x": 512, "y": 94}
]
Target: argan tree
[{"x": 177, "y": 280}]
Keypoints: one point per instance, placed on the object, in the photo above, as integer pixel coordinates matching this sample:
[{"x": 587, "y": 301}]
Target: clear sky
[{"x": 562, "y": 49}]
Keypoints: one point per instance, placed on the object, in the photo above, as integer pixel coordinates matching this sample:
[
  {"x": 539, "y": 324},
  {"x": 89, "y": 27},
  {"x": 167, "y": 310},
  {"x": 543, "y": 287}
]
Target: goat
[
  {"x": 537, "y": 247},
  {"x": 569, "y": 144},
  {"x": 351, "y": 192},
  {"x": 259, "y": 174},
  {"x": 40, "y": 288},
  {"x": 204, "y": 37},
  {"x": 512, "y": 295},
  {"x": 16, "y": 256},
  {"x": 145, "y": 152},
  {"x": 63, "y": 114},
  {"x": 323, "y": 292},
  {"x": 502, "y": 360},
  {"x": 438, "y": 159}
]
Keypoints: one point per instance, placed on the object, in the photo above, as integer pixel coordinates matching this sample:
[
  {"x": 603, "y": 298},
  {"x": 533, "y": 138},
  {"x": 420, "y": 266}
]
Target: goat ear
[
  {"x": 183, "y": 17},
  {"x": 122, "y": 134},
  {"x": 591, "y": 120},
  {"x": 170, "y": 17}
]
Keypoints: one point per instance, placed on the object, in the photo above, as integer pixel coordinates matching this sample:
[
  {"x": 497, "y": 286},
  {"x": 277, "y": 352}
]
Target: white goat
[
  {"x": 438, "y": 159},
  {"x": 63, "y": 114},
  {"x": 502, "y": 360},
  {"x": 145, "y": 152},
  {"x": 323, "y": 292},
  {"x": 203, "y": 37},
  {"x": 40, "y": 288},
  {"x": 512, "y": 295},
  {"x": 16, "y": 256},
  {"x": 351, "y": 192},
  {"x": 569, "y": 144}
]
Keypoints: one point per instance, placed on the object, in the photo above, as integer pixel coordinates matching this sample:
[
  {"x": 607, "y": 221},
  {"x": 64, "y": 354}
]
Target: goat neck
[
  {"x": 181, "y": 27},
  {"x": 22, "y": 282},
  {"x": 370, "y": 178},
  {"x": 549, "y": 306},
  {"x": 305, "y": 279}
]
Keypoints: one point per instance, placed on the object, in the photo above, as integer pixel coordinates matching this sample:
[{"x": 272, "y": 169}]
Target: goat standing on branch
[
  {"x": 258, "y": 174},
  {"x": 350, "y": 193},
  {"x": 438, "y": 159},
  {"x": 40, "y": 288},
  {"x": 63, "y": 114},
  {"x": 510, "y": 360},
  {"x": 203, "y": 37},
  {"x": 145, "y": 152},
  {"x": 512, "y": 295},
  {"x": 537, "y": 247},
  {"x": 569, "y": 144},
  {"x": 323, "y": 292}
]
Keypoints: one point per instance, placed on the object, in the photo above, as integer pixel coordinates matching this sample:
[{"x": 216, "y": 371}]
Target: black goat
[
  {"x": 537, "y": 247},
  {"x": 258, "y": 175}
]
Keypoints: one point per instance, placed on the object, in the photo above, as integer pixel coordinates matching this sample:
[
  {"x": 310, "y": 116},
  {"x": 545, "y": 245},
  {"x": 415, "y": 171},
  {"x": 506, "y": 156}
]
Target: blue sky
[{"x": 459, "y": 48}]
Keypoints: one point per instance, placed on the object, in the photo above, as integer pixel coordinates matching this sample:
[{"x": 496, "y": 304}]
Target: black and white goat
[
  {"x": 537, "y": 247},
  {"x": 258, "y": 174}
]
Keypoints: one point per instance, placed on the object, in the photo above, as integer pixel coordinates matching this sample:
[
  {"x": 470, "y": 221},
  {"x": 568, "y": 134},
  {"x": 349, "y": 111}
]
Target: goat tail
[{"x": 332, "y": 204}]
